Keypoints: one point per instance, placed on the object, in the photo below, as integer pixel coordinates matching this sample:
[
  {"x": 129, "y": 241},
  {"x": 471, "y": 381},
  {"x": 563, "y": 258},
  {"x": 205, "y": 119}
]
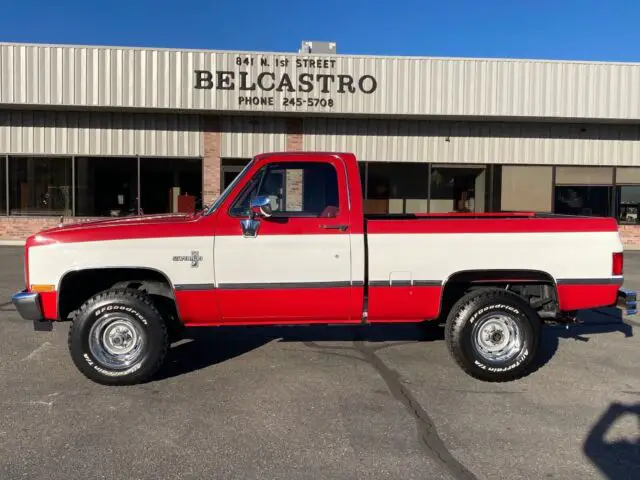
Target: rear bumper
[{"x": 28, "y": 305}]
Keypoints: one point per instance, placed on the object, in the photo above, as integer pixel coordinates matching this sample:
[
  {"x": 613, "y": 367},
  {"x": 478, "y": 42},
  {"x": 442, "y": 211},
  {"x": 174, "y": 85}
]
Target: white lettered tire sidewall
[
  {"x": 137, "y": 308},
  {"x": 460, "y": 334}
]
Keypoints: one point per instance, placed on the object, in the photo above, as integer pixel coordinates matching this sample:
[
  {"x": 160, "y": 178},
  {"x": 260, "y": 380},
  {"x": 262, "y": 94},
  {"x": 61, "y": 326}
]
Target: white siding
[
  {"x": 97, "y": 133},
  {"x": 164, "y": 79},
  {"x": 464, "y": 142},
  {"x": 244, "y": 137}
]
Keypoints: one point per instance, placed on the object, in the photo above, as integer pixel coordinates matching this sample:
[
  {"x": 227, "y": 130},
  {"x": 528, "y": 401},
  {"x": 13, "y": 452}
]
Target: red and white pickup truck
[{"x": 288, "y": 243}]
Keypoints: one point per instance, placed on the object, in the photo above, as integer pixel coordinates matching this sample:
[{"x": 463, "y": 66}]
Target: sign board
[{"x": 285, "y": 82}]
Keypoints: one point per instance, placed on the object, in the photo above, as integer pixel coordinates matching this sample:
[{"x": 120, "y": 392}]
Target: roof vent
[{"x": 325, "y": 48}]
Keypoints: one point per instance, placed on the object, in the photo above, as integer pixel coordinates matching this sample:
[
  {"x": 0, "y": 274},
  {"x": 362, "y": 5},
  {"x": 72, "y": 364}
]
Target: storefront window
[
  {"x": 40, "y": 186},
  {"x": 397, "y": 187},
  {"x": 455, "y": 189},
  {"x": 106, "y": 187},
  {"x": 628, "y": 204},
  {"x": 583, "y": 200},
  {"x": 170, "y": 185}
]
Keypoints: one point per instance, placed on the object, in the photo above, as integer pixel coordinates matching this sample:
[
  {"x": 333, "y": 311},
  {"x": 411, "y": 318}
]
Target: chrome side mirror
[{"x": 260, "y": 206}]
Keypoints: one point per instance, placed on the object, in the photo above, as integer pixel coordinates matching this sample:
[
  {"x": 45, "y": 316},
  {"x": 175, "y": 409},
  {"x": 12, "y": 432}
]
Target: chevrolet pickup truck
[{"x": 288, "y": 243}]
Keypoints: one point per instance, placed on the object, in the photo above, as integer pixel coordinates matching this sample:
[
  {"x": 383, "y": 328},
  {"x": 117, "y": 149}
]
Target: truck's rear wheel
[
  {"x": 118, "y": 338},
  {"x": 493, "y": 335}
]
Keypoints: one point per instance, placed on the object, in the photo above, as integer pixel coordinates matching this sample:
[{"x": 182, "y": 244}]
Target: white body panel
[
  {"x": 435, "y": 257},
  {"x": 335, "y": 258},
  {"x": 49, "y": 263},
  {"x": 283, "y": 259}
]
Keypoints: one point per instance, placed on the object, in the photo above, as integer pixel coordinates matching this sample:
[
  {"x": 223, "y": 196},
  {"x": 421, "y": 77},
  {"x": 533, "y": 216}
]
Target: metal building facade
[
  {"x": 39, "y": 132},
  {"x": 107, "y": 77},
  {"x": 524, "y": 143},
  {"x": 516, "y": 134}
]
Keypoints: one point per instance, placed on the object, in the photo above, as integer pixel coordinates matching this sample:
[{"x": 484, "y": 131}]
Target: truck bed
[{"x": 418, "y": 254}]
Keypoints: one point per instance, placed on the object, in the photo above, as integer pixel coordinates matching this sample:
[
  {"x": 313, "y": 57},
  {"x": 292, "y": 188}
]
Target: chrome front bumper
[{"x": 30, "y": 308}]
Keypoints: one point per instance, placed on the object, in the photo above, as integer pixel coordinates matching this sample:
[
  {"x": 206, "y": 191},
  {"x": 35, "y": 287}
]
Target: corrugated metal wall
[
  {"x": 145, "y": 78},
  {"x": 464, "y": 142},
  {"x": 244, "y": 137},
  {"x": 96, "y": 133}
]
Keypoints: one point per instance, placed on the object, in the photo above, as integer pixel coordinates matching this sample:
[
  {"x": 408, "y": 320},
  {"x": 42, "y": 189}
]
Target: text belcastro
[{"x": 270, "y": 81}]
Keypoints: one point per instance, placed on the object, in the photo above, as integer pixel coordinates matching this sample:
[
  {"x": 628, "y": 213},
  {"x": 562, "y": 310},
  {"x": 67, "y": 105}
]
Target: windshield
[{"x": 225, "y": 194}]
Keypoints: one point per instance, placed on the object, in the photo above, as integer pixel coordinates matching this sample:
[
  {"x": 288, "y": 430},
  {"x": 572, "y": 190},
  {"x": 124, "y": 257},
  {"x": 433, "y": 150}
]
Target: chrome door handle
[{"x": 342, "y": 228}]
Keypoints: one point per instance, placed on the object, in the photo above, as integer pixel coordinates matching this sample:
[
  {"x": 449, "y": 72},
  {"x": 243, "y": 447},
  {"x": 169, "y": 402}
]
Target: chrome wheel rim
[
  {"x": 497, "y": 338},
  {"x": 116, "y": 341}
]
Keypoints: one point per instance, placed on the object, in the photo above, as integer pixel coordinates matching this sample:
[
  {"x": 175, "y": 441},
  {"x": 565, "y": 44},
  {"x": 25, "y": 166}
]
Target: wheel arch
[
  {"x": 461, "y": 281},
  {"x": 77, "y": 285}
]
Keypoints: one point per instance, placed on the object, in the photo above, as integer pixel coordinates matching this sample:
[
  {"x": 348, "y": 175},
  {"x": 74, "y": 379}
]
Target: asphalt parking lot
[{"x": 322, "y": 402}]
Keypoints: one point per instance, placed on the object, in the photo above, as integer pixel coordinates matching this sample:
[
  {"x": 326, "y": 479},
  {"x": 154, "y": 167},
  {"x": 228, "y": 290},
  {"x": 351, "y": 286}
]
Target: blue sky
[{"x": 560, "y": 29}]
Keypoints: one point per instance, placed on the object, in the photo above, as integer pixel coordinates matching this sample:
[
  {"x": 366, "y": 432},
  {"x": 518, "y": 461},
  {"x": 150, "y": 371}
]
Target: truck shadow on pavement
[
  {"x": 615, "y": 456},
  {"x": 205, "y": 347}
]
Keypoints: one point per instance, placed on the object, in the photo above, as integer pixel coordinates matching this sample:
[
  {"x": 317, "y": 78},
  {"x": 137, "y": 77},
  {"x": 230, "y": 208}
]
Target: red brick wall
[
  {"x": 19, "y": 228},
  {"x": 211, "y": 139},
  {"x": 294, "y": 135},
  {"x": 630, "y": 235}
]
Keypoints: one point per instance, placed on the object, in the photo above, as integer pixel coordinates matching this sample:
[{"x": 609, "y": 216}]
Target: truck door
[{"x": 297, "y": 266}]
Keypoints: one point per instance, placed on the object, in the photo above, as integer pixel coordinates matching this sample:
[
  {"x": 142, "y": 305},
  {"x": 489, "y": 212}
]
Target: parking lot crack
[
  {"x": 427, "y": 431},
  {"x": 37, "y": 351}
]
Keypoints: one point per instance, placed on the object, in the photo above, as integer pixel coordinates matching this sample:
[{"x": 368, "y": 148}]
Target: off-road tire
[
  {"x": 137, "y": 307},
  {"x": 476, "y": 306}
]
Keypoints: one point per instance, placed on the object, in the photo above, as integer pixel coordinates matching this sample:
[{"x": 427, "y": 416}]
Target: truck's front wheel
[
  {"x": 493, "y": 335},
  {"x": 118, "y": 338}
]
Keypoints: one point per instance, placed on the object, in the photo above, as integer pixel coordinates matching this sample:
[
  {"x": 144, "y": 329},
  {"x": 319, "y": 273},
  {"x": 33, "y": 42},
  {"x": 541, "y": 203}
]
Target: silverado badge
[{"x": 194, "y": 258}]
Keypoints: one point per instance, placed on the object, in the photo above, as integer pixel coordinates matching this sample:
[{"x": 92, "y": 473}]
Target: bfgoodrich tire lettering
[
  {"x": 493, "y": 335},
  {"x": 101, "y": 354}
]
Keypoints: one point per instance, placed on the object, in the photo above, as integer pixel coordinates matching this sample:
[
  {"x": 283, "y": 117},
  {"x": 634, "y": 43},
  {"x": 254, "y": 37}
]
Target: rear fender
[{"x": 456, "y": 284}]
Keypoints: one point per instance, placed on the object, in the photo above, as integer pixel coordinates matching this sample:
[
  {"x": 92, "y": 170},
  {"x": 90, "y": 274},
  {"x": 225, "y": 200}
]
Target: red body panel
[
  {"x": 583, "y": 297},
  {"x": 152, "y": 226},
  {"x": 49, "y": 302},
  {"x": 402, "y": 304},
  {"x": 198, "y": 307},
  {"x": 298, "y": 305},
  {"x": 480, "y": 225}
]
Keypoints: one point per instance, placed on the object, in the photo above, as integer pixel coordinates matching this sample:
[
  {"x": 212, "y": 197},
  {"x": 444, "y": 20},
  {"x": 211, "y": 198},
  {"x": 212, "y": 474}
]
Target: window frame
[
  {"x": 263, "y": 171},
  {"x": 617, "y": 201}
]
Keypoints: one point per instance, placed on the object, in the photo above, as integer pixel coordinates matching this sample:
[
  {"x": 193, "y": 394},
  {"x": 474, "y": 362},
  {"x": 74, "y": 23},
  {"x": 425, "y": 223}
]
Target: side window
[{"x": 295, "y": 190}]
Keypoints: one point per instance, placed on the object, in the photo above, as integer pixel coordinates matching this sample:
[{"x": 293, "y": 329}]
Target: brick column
[
  {"x": 211, "y": 168},
  {"x": 630, "y": 236},
  {"x": 294, "y": 135}
]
